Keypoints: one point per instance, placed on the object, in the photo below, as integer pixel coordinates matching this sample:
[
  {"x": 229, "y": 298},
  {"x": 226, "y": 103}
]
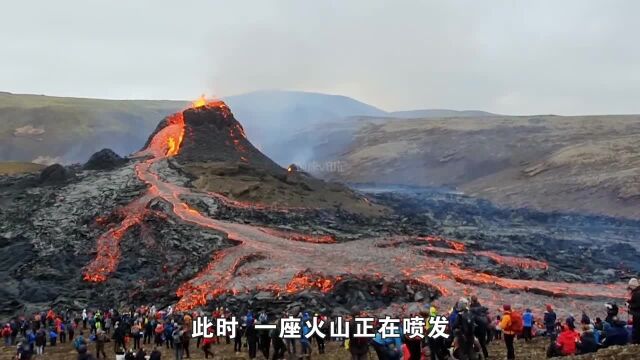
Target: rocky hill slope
[{"x": 587, "y": 164}]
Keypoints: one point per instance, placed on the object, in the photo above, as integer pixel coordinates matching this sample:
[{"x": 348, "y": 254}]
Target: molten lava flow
[
  {"x": 285, "y": 261},
  {"x": 291, "y": 235},
  {"x": 108, "y": 244},
  {"x": 201, "y": 101},
  {"x": 305, "y": 281}
]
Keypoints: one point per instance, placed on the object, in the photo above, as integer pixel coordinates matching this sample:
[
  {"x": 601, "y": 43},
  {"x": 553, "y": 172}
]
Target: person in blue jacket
[
  {"x": 31, "y": 339},
  {"x": 615, "y": 334},
  {"x": 53, "y": 336},
  {"x": 168, "y": 332},
  {"x": 527, "y": 324},
  {"x": 388, "y": 348},
  {"x": 305, "y": 342}
]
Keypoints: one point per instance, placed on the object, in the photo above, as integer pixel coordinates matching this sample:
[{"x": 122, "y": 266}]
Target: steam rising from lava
[{"x": 286, "y": 262}]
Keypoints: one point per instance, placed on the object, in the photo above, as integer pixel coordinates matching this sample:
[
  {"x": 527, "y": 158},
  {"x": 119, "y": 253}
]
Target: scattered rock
[
  {"x": 105, "y": 159},
  {"x": 54, "y": 174}
]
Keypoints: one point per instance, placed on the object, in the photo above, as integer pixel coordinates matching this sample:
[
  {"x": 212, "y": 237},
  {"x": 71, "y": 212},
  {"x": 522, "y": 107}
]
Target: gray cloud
[{"x": 517, "y": 57}]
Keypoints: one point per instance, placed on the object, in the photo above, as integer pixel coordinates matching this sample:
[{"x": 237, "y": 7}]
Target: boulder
[
  {"x": 52, "y": 174},
  {"x": 105, "y": 159}
]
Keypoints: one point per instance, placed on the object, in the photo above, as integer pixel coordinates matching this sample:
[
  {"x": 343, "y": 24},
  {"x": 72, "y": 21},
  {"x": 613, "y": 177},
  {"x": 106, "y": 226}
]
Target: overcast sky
[{"x": 512, "y": 57}]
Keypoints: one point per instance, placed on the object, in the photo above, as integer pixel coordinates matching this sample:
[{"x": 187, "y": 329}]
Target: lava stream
[{"x": 279, "y": 261}]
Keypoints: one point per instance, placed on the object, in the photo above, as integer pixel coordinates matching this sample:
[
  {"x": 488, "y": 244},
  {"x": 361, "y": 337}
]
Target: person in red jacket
[
  {"x": 207, "y": 344},
  {"x": 567, "y": 342}
]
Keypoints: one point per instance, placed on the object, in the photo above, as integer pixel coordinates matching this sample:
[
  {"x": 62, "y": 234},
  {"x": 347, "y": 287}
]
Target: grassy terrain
[
  {"x": 71, "y": 129},
  {"x": 13, "y": 167}
]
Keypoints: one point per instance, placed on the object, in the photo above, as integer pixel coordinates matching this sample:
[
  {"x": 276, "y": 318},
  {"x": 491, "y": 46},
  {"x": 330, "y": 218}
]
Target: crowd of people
[{"x": 140, "y": 333}]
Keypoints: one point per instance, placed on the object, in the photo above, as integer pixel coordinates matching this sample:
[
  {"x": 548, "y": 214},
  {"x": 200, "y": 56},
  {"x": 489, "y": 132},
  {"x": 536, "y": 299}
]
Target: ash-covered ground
[{"x": 122, "y": 232}]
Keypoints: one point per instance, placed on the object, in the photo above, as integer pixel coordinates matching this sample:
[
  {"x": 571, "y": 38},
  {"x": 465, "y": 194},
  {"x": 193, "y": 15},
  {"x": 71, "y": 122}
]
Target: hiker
[
  {"x": 206, "y": 347},
  {"x": 71, "y": 330},
  {"x": 176, "y": 337},
  {"x": 237, "y": 342},
  {"x": 31, "y": 340},
  {"x": 186, "y": 340},
  {"x": 325, "y": 330},
  {"x": 497, "y": 335},
  {"x": 265, "y": 340},
  {"x": 168, "y": 333},
  {"x": 135, "y": 333},
  {"x": 527, "y": 324},
  {"x": 588, "y": 340},
  {"x": 79, "y": 341},
  {"x": 305, "y": 342},
  {"x": 53, "y": 336},
  {"x": 159, "y": 333},
  {"x": 6, "y": 334},
  {"x": 511, "y": 325},
  {"x": 437, "y": 347},
  {"x": 101, "y": 339},
  {"x": 634, "y": 309},
  {"x": 482, "y": 320},
  {"x": 148, "y": 331},
  {"x": 107, "y": 325},
  {"x": 41, "y": 341},
  {"x": 23, "y": 352},
  {"x": 464, "y": 329},
  {"x": 279, "y": 347},
  {"x": 62, "y": 332},
  {"x": 155, "y": 354},
  {"x": 141, "y": 354},
  {"x": 84, "y": 319},
  {"x": 615, "y": 333},
  {"x": 612, "y": 312},
  {"x": 359, "y": 346},
  {"x": 130, "y": 355},
  {"x": 252, "y": 335},
  {"x": 565, "y": 344},
  {"x": 118, "y": 336},
  {"x": 83, "y": 353},
  {"x": 386, "y": 348},
  {"x": 550, "y": 322}
]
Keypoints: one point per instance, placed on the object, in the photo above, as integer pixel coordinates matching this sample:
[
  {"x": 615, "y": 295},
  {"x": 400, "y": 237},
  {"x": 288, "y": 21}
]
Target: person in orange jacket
[{"x": 508, "y": 334}]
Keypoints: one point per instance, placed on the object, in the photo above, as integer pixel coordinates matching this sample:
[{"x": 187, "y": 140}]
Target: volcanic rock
[
  {"x": 55, "y": 173},
  {"x": 105, "y": 159},
  {"x": 215, "y": 153},
  {"x": 212, "y": 134}
]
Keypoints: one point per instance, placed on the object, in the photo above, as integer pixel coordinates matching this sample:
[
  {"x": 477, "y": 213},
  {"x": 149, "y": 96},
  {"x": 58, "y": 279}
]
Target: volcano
[
  {"x": 200, "y": 217},
  {"x": 210, "y": 133}
]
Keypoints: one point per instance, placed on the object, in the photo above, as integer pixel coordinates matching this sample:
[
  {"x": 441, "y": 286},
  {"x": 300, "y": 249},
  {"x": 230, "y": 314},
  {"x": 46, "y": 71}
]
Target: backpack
[
  {"x": 467, "y": 324},
  {"x": 177, "y": 339},
  {"x": 517, "y": 324},
  {"x": 480, "y": 315},
  {"x": 359, "y": 342}
]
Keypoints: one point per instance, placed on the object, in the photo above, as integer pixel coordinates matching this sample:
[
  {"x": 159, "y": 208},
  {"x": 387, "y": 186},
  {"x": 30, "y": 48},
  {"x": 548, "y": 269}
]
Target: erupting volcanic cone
[{"x": 212, "y": 134}]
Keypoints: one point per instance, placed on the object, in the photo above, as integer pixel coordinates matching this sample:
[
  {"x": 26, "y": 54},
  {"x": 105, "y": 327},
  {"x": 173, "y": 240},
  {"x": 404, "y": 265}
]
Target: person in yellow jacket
[{"x": 509, "y": 335}]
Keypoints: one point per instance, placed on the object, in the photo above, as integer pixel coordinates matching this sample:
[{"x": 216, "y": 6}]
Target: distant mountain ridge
[
  {"x": 439, "y": 113},
  {"x": 66, "y": 129}
]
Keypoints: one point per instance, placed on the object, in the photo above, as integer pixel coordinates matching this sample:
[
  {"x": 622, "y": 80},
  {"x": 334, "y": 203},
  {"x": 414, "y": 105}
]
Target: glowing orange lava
[
  {"x": 201, "y": 101},
  {"x": 285, "y": 261}
]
